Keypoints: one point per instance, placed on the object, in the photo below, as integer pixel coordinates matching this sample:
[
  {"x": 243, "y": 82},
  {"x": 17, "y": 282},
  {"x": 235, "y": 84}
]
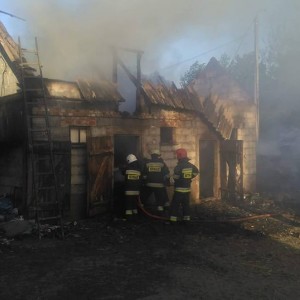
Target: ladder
[{"x": 46, "y": 203}]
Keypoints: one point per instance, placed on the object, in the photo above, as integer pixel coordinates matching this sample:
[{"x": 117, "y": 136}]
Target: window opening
[
  {"x": 167, "y": 135},
  {"x": 78, "y": 135}
]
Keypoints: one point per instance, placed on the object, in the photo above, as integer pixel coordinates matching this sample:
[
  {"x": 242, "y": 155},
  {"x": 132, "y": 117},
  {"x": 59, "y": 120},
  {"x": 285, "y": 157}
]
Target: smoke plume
[{"x": 75, "y": 35}]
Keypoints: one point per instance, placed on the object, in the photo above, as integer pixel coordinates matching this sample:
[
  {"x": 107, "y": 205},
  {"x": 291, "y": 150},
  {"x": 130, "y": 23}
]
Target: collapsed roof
[
  {"x": 220, "y": 95},
  {"x": 214, "y": 81},
  {"x": 92, "y": 91},
  {"x": 210, "y": 95},
  {"x": 187, "y": 99}
]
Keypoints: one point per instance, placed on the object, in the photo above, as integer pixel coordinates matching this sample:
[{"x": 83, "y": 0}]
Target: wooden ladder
[{"x": 46, "y": 202}]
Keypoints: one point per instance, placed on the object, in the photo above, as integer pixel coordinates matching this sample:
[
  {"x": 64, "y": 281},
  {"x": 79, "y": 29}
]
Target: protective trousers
[
  {"x": 131, "y": 205},
  {"x": 180, "y": 200},
  {"x": 160, "y": 194}
]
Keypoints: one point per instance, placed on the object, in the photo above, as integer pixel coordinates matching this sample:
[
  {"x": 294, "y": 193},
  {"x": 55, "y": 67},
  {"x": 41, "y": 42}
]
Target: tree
[
  {"x": 279, "y": 98},
  {"x": 191, "y": 73},
  {"x": 225, "y": 60}
]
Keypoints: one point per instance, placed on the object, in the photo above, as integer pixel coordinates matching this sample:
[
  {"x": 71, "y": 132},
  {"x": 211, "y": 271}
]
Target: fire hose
[
  {"x": 236, "y": 220},
  {"x": 141, "y": 207}
]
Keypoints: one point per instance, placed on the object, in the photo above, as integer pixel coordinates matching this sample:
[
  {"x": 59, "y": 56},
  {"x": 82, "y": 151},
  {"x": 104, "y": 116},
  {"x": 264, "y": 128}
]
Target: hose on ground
[
  {"x": 237, "y": 220},
  {"x": 141, "y": 207}
]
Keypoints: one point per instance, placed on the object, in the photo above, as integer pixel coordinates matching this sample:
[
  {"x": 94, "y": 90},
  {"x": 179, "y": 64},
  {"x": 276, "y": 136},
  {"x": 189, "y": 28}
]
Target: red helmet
[{"x": 181, "y": 153}]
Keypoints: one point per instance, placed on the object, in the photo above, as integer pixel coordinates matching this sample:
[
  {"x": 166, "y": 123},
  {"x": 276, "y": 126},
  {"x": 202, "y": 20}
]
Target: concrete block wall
[
  {"x": 247, "y": 133},
  {"x": 98, "y": 131},
  {"x": 150, "y": 140},
  {"x": 188, "y": 138},
  {"x": 186, "y": 135},
  {"x": 188, "y": 130}
]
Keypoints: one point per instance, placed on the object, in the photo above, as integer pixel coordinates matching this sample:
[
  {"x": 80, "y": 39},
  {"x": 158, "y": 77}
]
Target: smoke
[{"x": 75, "y": 35}]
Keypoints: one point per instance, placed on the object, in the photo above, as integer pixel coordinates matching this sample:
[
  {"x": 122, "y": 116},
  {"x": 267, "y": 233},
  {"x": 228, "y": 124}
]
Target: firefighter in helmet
[
  {"x": 156, "y": 175},
  {"x": 133, "y": 178},
  {"x": 184, "y": 172}
]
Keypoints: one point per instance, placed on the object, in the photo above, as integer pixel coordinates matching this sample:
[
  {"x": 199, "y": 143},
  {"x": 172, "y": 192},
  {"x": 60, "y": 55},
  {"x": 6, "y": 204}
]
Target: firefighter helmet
[
  {"x": 131, "y": 158},
  {"x": 181, "y": 153},
  {"x": 155, "y": 152}
]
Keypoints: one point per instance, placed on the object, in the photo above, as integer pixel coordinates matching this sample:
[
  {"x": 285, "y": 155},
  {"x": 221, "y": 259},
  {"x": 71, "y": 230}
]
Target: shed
[{"x": 91, "y": 137}]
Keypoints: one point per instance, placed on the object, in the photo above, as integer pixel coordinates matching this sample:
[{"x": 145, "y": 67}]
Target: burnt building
[{"x": 212, "y": 118}]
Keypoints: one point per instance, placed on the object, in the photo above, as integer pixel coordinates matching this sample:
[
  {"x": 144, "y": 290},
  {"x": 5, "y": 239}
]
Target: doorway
[
  {"x": 207, "y": 168},
  {"x": 124, "y": 145},
  {"x": 232, "y": 169},
  {"x": 78, "y": 172}
]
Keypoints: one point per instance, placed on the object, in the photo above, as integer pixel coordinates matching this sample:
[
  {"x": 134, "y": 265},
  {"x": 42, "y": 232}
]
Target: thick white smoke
[{"x": 75, "y": 35}]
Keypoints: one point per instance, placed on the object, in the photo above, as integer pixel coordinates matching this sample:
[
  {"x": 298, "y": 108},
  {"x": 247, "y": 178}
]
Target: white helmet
[
  {"x": 131, "y": 158},
  {"x": 155, "y": 152}
]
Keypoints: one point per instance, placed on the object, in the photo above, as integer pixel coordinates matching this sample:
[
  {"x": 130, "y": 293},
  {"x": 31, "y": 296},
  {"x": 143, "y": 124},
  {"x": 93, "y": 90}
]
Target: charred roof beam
[{"x": 135, "y": 80}]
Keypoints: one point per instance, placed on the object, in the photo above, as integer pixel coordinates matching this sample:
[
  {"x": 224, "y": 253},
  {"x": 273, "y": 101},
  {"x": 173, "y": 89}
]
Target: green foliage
[
  {"x": 242, "y": 69},
  {"x": 191, "y": 74}
]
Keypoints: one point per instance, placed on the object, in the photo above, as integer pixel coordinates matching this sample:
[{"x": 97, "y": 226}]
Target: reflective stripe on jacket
[
  {"x": 132, "y": 179},
  {"x": 156, "y": 173},
  {"x": 184, "y": 172}
]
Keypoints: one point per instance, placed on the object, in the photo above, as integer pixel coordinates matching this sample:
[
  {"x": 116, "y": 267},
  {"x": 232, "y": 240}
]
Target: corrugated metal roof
[
  {"x": 101, "y": 90},
  {"x": 210, "y": 109},
  {"x": 170, "y": 96},
  {"x": 62, "y": 89},
  {"x": 93, "y": 91}
]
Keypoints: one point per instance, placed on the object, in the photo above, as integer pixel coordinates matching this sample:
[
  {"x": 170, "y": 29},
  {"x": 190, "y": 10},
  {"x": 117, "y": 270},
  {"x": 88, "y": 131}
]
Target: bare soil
[{"x": 212, "y": 258}]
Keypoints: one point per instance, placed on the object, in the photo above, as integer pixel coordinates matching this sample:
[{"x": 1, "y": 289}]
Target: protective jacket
[
  {"x": 132, "y": 178},
  {"x": 184, "y": 172},
  {"x": 156, "y": 173}
]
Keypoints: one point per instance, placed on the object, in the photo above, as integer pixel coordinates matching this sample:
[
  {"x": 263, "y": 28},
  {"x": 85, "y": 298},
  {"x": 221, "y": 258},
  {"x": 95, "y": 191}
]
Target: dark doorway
[
  {"x": 232, "y": 169},
  {"x": 124, "y": 145},
  {"x": 207, "y": 168}
]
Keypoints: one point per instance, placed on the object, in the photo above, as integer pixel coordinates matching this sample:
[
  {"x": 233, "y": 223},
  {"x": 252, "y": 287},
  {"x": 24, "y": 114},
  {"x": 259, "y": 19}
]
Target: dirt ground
[{"x": 212, "y": 258}]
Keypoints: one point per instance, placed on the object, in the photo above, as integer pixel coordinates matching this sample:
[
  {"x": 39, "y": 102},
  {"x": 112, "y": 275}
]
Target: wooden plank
[{"x": 100, "y": 172}]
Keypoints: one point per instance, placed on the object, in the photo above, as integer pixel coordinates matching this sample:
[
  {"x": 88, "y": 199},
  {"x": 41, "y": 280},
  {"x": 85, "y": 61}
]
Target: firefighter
[
  {"x": 133, "y": 178},
  {"x": 184, "y": 172},
  {"x": 156, "y": 175}
]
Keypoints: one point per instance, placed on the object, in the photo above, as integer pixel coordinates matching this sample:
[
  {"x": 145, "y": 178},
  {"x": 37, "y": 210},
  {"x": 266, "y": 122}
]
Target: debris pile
[
  {"x": 11, "y": 224},
  {"x": 7, "y": 211}
]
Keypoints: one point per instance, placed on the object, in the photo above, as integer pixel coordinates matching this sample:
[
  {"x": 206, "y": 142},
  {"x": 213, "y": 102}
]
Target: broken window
[
  {"x": 78, "y": 135},
  {"x": 167, "y": 135}
]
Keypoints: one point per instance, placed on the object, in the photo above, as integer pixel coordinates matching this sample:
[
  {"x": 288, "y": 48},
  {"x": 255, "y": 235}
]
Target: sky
[{"x": 75, "y": 36}]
